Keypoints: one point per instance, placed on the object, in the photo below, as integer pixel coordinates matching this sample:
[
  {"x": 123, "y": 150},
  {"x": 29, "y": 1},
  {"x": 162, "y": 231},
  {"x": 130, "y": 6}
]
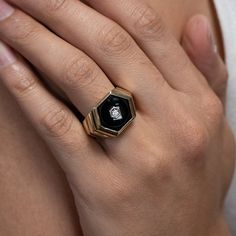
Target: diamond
[{"x": 115, "y": 113}]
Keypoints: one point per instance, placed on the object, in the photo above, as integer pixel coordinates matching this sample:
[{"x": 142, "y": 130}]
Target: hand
[{"x": 169, "y": 167}]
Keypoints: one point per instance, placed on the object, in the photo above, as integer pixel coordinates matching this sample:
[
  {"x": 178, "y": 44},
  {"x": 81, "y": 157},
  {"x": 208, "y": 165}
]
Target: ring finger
[{"x": 76, "y": 73}]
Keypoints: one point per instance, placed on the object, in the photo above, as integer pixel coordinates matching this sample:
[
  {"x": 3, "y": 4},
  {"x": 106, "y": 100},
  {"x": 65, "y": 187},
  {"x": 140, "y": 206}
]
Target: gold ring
[{"x": 112, "y": 115}]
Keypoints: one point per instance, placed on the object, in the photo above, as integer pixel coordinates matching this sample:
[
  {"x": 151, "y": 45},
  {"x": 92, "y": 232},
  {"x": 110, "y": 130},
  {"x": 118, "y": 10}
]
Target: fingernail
[
  {"x": 7, "y": 56},
  {"x": 5, "y": 10},
  {"x": 211, "y": 38}
]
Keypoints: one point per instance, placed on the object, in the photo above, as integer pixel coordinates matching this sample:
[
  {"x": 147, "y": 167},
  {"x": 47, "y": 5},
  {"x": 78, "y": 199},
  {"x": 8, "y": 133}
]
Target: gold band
[{"x": 112, "y": 115}]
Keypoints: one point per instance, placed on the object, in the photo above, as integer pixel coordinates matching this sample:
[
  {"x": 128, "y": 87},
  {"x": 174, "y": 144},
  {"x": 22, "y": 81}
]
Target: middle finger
[
  {"x": 103, "y": 40},
  {"x": 113, "y": 48}
]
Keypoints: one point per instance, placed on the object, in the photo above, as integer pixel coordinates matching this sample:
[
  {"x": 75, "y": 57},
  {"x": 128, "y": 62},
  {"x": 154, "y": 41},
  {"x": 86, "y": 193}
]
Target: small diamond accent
[{"x": 115, "y": 113}]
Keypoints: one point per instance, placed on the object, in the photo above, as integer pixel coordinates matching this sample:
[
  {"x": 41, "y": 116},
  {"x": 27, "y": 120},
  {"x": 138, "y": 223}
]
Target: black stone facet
[{"x": 104, "y": 112}]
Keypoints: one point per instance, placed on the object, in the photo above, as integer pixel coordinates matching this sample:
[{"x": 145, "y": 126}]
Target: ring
[{"x": 112, "y": 115}]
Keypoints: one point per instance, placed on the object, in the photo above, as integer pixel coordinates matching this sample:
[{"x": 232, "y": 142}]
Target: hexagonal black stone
[{"x": 104, "y": 112}]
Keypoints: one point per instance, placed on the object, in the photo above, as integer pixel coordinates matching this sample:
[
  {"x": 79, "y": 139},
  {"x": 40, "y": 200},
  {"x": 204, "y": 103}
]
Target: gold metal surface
[{"x": 92, "y": 123}]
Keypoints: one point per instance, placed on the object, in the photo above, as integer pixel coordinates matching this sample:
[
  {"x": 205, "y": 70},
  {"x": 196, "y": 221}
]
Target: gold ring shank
[{"x": 90, "y": 127}]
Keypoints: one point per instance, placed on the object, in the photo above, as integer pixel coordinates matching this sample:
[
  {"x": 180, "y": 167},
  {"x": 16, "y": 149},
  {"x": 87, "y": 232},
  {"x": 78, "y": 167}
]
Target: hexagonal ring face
[{"x": 114, "y": 113}]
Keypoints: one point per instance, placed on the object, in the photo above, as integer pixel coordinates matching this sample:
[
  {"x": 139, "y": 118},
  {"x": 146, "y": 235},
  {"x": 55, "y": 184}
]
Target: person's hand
[
  {"x": 168, "y": 173},
  {"x": 198, "y": 42}
]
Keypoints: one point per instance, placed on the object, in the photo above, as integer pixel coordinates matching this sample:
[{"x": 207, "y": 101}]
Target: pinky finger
[
  {"x": 198, "y": 42},
  {"x": 57, "y": 125}
]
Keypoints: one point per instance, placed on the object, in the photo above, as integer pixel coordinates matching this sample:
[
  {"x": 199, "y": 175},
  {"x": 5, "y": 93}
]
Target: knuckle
[
  {"x": 154, "y": 166},
  {"x": 24, "y": 83},
  {"x": 148, "y": 23},
  {"x": 79, "y": 72},
  {"x": 57, "y": 122},
  {"x": 195, "y": 140},
  {"x": 55, "y": 5},
  {"x": 114, "y": 40},
  {"x": 156, "y": 169},
  {"x": 22, "y": 30},
  {"x": 214, "y": 109},
  {"x": 118, "y": 194}
]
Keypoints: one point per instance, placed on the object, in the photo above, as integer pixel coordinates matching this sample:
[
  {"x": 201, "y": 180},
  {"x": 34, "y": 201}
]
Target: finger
[
  {"x": 106, "y": 42},
  {"x": 147, "y": 28},
  {"x": 74, "y": 69},
  {"x": 64, "y": 134},
  {"x": 75, "y": 73},
  {"x": 198, "y": 42},
  {"x": 31, "y": 39}
]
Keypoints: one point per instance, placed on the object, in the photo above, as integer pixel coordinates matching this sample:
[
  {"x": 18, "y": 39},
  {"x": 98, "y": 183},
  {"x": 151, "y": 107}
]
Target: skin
[
  {"x": 67, "y": 226},
  {"x": 182, "y": 10}
]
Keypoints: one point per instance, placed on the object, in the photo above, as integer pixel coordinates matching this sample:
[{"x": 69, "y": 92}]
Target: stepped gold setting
[{"x": 112, "y": 115}]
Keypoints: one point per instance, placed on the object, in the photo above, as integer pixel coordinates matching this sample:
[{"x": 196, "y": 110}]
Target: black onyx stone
[{"x": 107, "y": 120}]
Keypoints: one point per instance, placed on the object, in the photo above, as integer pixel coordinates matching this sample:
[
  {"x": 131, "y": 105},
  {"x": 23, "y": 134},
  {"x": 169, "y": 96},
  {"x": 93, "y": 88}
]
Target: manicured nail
[
  {"x": 211, "y": 38},
  {"x": 5, "y": 10},
  {"x": 7, "y": 57},
  {"x": 203, "y": 26},
  {"x": 214, "y": 45}
]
